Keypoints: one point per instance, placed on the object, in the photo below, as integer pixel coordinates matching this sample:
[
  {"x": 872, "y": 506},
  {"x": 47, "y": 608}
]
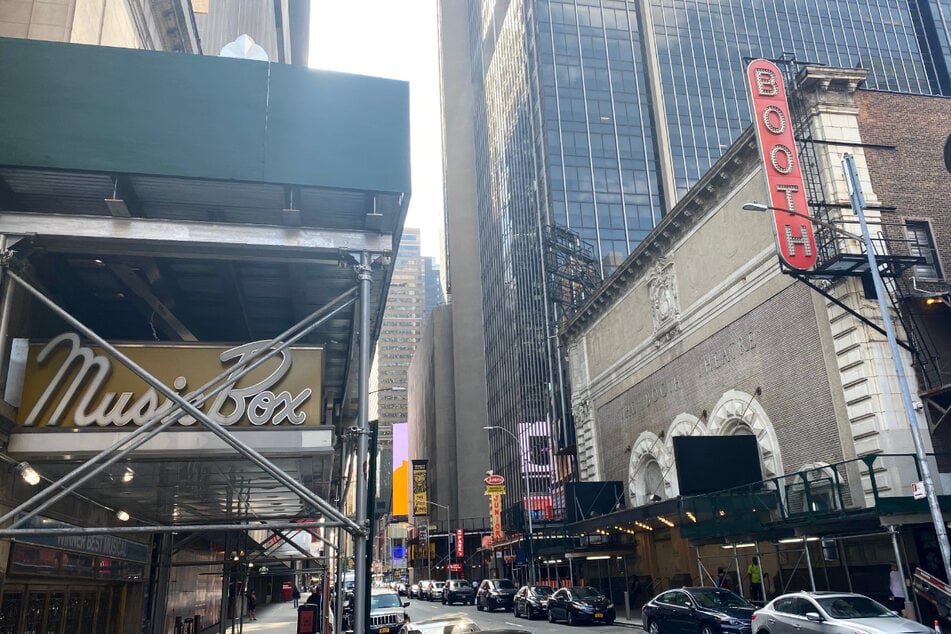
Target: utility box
[{"x": 308, "y": 619}]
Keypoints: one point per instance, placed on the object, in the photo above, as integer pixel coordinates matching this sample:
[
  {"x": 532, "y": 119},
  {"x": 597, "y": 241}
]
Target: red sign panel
[
  {"x": 454, "y": 567},
  {"x": 495, "y": 480},
  {"x": 460, "y": 543},
  {"x": 794, "y": 235}
]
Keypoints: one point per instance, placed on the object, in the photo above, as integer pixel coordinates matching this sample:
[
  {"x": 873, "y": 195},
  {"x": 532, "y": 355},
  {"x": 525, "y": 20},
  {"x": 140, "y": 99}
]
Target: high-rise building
[
  {"x": 413, "y": 291},
  {"x": 595, "y": 116}
]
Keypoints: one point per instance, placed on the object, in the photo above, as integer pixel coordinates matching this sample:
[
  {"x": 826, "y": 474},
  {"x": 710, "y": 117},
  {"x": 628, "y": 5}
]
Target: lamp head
[{"x": 755, "y": 206}]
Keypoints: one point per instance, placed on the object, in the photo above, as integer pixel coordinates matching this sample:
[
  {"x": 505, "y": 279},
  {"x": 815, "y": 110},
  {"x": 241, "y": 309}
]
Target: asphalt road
[{"x": 419, "y": 610}]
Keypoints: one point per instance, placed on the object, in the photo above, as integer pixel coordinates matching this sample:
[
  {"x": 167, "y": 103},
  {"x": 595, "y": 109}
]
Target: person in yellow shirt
[{"x": 755, "y": 574}]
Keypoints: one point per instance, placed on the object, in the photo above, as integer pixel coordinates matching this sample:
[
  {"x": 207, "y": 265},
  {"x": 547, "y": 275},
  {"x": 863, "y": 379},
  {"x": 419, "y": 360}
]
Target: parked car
[
  {"x": 704, "y": 610},
  {"x": 458, "y": 591},
  {"x": 387, "y": 611},
  {"x": 401, "y": 589},
  {"x": 494, "y": 594},
  {"x": 580, "y": 604},
  {"x": 413, "y": 591},
  {"x": 830, "y": 613},
  {"x": 532, "y": 601},
  {"x": 421, "y": 588},
  {"x": 434, "y": 591}
]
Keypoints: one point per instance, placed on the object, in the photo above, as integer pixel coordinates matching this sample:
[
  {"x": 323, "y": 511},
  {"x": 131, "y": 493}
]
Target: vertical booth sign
[
  {"x": 795, "y": 237},
  {"x": 460, "y": 543}
]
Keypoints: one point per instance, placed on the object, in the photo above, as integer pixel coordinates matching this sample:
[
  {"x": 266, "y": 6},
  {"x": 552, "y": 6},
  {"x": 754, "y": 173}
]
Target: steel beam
[
  {"x": 184, "y": 528},
  {"x": 188, "y": 239}
]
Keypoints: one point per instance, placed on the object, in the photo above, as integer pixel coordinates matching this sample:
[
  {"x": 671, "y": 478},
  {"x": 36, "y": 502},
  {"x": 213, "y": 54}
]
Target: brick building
[{"x": 701, "y": 333}]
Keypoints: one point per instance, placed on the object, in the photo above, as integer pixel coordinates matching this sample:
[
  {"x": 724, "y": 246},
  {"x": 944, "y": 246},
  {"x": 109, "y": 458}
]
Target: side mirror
[
  {"x": 405, "y": 604},
  {"x": 814, "y": 617}
]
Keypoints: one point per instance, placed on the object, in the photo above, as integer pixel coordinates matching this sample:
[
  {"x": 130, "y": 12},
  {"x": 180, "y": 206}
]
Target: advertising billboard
[
  {"x": 400, "y": 488},
  {"x": 420, "y": 488}
]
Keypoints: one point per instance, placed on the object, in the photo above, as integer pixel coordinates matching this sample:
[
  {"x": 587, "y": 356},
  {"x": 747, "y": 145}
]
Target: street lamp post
[
  {"x": 858, "y": 206},
  {"x": 448, "y": 539},
  {"x": 528, "y": 501}
]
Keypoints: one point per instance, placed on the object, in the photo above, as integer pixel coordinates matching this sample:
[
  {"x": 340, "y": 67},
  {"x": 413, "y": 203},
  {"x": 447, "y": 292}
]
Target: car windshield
[
  {"x": 853, "y": 607},
  {"x": 585, "y": 592},
  {"x": 719, "y": 598},
  {"x": 543, "y": 591},
  {"x": 504, "y": 584},
  {"x": 384, "y": 601}
]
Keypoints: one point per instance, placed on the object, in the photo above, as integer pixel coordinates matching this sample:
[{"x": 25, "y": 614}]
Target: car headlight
[{"x": 725, "y": 618}]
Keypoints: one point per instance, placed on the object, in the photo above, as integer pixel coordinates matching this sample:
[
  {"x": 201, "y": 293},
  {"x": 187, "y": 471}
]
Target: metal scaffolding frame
[{"x": 11, "y": 522}]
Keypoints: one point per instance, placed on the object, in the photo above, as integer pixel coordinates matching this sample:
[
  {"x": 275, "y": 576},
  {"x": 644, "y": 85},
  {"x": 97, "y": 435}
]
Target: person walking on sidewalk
[
  {"x": 252, "y": 606},
  {"x": 896, "y": 590},
  {"x": 296, "y": 596}
]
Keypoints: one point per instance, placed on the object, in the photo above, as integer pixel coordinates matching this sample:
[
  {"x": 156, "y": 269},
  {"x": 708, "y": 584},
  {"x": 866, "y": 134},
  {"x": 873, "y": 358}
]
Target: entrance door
[{"x": 46, "y": 609}]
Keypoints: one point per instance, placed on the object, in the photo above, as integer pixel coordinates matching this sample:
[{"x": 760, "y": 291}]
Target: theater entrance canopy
[{"x": 184, "y": 208}]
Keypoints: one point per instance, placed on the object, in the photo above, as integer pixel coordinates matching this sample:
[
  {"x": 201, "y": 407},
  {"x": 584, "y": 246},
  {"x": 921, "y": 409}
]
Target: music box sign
[{"x": 67, "y": 384}]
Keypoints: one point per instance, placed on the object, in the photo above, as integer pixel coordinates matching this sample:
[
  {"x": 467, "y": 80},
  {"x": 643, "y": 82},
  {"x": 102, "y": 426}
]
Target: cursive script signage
[{"x": 68, "y": 384}]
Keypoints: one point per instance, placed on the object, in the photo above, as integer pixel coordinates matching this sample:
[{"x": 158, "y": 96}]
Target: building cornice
[{"x": 724, "y": 175}]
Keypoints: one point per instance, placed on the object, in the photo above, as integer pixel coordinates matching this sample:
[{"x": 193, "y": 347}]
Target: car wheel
[
  {"x": 551, "y": 616},
  {"x": 609, "y": 622},
  {"x": 571, "y": 618},
  {"x": 653, "y": 628},
  {"x": 471, "y": 601},
  {"x": 706, "y": 629},
  {"x": 479, "y": 607}
]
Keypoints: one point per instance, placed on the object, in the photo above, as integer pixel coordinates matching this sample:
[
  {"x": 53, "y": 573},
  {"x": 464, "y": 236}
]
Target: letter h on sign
[{"x": 794, "y": 235}]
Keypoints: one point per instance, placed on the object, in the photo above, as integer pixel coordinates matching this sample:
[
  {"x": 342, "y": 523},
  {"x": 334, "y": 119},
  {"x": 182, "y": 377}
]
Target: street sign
[
  {"x": 494, "y": 480},
  {"x": 490, "y": 490},
  {"x": 918, "y": 490},
  {"x": 454, "y": 567}
]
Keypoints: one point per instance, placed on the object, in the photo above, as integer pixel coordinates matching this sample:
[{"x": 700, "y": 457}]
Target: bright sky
[{"x": 394, "y": 39}]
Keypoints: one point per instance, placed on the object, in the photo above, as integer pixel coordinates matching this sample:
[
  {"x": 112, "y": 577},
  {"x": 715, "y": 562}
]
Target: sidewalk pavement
[{"x": 281, "y": 618}]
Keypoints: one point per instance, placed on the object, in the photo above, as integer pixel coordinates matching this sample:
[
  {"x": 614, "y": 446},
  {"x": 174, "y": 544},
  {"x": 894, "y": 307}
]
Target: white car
[{"x": 831, "y": 613}]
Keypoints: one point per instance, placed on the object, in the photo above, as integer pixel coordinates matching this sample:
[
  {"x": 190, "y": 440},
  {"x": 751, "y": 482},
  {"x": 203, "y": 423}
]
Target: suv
[
  {"x": 494, "y": 594},
  {"x": 387, "y": 613},
  {"x": 458, "y": 591}
]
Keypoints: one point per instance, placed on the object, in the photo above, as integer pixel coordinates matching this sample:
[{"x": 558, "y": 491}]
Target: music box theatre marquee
[{"x": 68, "y": 387}]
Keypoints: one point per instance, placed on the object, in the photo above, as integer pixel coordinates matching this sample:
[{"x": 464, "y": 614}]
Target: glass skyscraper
[{"x": 596, "y": 116}]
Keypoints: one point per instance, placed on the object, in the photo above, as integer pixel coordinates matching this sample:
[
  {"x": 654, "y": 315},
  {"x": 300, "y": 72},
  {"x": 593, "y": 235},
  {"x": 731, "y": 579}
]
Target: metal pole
[
  {"x": 360, "y": 578},
  {"x": 812, "y": 579},
  {"x": 22, "y": 515},
  {"x": 739, "y": 575},
  {"x": 858, "y": 206},
  {"x": 184, "y": 528},
  {"x": 898, "y": 559},
  {"x": 448, "y": 544}
]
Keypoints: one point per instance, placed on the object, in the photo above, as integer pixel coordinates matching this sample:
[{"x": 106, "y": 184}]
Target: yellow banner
[
  {"x": 495, "y": 516},
  {"x": 68, "y": 384},
  {"x": 420, "y": 487},
  {"x": 495, "y": 490}
]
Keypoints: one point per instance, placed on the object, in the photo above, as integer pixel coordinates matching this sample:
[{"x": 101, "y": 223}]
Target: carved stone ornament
[
  {"x": 582, "y": 409},
  {"x": 665, "y": 305}
]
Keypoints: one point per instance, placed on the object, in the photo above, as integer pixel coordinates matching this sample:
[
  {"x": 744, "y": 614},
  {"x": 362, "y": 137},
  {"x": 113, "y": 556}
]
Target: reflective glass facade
[{"x": 597, "y": 115}]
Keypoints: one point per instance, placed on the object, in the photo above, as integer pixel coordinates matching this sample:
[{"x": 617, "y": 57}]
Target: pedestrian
[
  {"x": 896, "y": 590},
  {"x": 296, "y": 596},
  {"x": 636, "y": 590},
  {"x": 723, "y": 580},
  {"x": 755, "y": 574},
  {"x": 252, "y": 606}
]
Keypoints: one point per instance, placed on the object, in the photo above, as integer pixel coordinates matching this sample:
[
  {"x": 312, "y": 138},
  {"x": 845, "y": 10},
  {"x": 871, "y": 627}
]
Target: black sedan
[
  {"x": 580, "y": 604},
  {"x": 703, "y": 610},
  {"x": 532, "y": 601}
]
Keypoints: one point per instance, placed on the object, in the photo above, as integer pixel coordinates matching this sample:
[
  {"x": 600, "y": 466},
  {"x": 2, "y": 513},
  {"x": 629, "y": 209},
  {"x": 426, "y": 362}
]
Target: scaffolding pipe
[
  {"x": 898, "y": 560},
  {"x": 360, "y": 577},
  {"x": 118, "y": 530},
  {"x": 805, "y": 548},
  {"x": 211, "y": 425}
]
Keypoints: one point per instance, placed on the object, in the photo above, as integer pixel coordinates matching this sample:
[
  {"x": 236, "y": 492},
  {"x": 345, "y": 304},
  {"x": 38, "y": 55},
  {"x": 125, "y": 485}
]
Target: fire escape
[{"x": 920, "y": 313}]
